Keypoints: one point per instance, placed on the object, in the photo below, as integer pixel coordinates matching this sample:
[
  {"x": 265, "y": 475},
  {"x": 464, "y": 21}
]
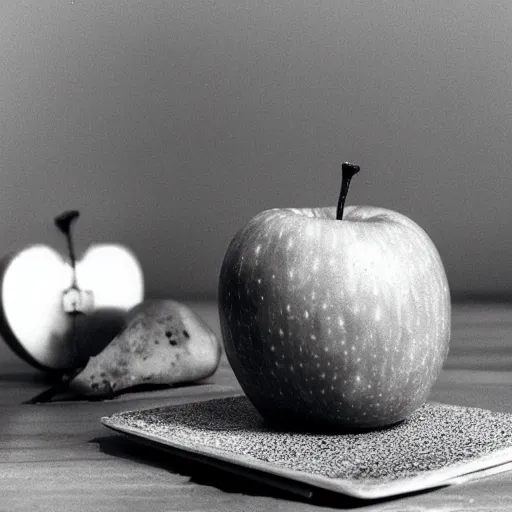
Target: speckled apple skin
[{"x": 334, "y": 324}]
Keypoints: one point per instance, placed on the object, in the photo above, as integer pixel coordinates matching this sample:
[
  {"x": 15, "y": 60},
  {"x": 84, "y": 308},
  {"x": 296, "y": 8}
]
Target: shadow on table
[
  {"x": 28, "y": 377},
  {"x": 230, "y": 481}
]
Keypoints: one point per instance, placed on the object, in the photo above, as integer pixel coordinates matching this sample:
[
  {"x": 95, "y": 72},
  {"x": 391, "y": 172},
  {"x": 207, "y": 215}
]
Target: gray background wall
[{"x": 170, "y": 123}]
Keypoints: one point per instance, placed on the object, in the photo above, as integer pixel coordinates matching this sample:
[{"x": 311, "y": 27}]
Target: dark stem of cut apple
[
  {"x": 347, "y": 171},
  {"x": 64, "y": 222}
]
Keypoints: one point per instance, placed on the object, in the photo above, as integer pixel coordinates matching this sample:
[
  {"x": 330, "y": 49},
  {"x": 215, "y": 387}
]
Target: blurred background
[{"x": 169, "y": 124}]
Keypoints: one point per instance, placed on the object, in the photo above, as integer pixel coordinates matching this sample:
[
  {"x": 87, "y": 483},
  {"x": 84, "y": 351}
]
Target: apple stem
[
  {"x": 63, "y": 223},
  {"x": 347, "y": 171}
]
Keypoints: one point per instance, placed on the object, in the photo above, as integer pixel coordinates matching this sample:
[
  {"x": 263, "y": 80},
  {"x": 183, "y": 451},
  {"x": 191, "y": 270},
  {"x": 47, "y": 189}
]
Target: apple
[
  {"x": 55, "y": 311},
  {"x": 334, "y": 318}
]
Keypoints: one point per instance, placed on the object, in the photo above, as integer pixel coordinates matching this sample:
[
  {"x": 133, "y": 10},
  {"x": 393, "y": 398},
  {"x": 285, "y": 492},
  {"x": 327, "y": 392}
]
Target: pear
[{"x": 164, "y": 342}]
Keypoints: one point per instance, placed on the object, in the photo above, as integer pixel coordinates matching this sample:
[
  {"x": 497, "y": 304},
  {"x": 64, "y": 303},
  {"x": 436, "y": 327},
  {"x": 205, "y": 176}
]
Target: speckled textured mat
[{"x": 438, "y": 445}]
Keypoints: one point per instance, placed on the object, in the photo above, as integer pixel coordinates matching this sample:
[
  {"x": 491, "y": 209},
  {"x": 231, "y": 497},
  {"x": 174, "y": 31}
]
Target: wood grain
[{"x": 58, "y": 457}]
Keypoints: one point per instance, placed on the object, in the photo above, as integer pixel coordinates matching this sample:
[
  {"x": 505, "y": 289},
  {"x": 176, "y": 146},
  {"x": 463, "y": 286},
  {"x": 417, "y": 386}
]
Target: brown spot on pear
[{"x": 133, "y": 357}]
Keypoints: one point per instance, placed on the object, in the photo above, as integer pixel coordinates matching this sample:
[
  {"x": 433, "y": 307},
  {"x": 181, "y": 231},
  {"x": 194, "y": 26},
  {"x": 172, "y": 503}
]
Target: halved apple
[{"x": 55, "y": 319}]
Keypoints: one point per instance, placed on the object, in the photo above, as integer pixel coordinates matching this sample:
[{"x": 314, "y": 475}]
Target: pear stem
[{"x": 347, "y": 171}]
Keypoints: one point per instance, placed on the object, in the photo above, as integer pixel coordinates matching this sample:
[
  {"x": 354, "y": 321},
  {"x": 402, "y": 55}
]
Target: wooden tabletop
[{"x": 59, "y": 457}]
